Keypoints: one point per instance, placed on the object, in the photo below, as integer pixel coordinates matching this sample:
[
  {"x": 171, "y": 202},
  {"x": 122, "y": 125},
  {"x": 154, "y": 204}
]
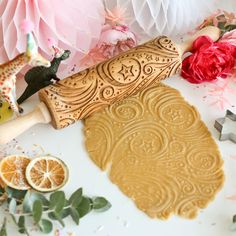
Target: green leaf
[
  {"x": 21, "y": 222},
  {"x": 2, "y": 191},
  {"x": 27, "y": 203},
  {"x": 65, "y": 213},
  {"x": 101, "y": 204},
  {"x": 56, "y": 216},
  {"x": 74, "y": 215},
  {"x": 84, "y": 207},
  {"x": 37, "y": 211},
  {"x": 3, "y": 231},
  {"x": 76, "y": 198},
  {"x": 14, "y": 193},
  {"x": 230, "y": 27},
  {"x": 45, "y": 226},
  {"x": 57, "y": 201},
  {"x": 12, "y": 206},
  {"x": 21, "y": 225},
  {"x": 38, "y": 196},
  {"x": 29, "y": 200}
]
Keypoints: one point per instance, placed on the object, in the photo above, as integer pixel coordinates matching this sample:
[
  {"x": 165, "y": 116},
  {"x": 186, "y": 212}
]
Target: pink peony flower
[
  {"x": 75, "y": 25},
  {"x": 113, "y": 40},
  {"x": 229, "y": 37},
  {"x": 208, "y": 61}
]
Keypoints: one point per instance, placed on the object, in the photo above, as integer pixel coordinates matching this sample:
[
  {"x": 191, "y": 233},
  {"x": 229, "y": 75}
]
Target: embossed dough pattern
[
  {"x": 158, "y": 152},
  {"x": 82, "y": 94}
]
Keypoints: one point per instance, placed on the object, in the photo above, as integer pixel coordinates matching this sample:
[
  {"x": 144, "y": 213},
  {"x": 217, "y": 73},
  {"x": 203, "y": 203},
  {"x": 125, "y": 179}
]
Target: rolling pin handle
[
  {"x": 210, "y": 31},
  {"x": 14, "y": 128}
]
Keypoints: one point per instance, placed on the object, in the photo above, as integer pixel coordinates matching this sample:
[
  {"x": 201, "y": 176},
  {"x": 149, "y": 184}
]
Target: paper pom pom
[
  {"x": 26, "y": 26},
  {"x": 74, "y": 25},
  {"x": 151, "y": 18}
]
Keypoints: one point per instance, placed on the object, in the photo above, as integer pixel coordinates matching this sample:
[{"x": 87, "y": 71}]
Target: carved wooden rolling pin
[{"x": 84, "y": 93}]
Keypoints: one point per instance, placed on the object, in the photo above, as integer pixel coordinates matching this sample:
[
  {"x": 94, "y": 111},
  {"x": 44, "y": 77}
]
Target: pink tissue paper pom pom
[
  {"x": 75, "y": 25},
  {"x": 26, "y": 26}
]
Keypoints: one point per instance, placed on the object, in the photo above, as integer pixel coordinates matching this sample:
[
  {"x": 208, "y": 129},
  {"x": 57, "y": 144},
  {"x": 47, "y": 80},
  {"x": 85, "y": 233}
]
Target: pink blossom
[
  {"x": 229, "y": 37},
  {"x": 113, "y": 40}
]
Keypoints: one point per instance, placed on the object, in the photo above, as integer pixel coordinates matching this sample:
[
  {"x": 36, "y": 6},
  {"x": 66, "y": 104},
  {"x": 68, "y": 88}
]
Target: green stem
[{"x": 30, "y": 214}]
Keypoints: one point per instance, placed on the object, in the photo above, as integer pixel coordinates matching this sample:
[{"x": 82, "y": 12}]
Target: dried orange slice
[
  {"x": 2, "y": 184},
  {"x": 12, "y": 171},
  {"x": 47, "y": 173}
]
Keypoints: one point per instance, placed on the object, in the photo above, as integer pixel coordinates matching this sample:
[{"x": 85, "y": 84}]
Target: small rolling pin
[{"x": 78, "y": 96}]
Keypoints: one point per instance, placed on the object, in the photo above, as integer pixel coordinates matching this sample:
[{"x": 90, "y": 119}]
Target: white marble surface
[{"x": 124, "y": 218}]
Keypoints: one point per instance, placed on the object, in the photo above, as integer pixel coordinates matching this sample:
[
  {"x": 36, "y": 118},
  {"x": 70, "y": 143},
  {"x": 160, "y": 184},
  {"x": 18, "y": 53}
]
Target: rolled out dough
[{"x": 157, "y": 151}]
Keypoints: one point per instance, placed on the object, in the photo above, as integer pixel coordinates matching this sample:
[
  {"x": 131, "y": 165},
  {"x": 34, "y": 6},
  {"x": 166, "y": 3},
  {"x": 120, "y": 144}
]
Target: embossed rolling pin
[{"x": 78, "y": 96}]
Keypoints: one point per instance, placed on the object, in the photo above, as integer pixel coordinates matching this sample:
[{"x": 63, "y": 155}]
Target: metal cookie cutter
[{"x": 227, "y": 126}]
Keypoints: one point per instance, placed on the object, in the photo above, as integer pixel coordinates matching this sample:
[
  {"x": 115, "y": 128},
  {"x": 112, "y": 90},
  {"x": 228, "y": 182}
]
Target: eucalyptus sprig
[{"x": 42, "y": 210}]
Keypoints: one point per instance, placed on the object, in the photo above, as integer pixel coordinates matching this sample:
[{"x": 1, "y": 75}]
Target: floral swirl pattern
[
  {"x": 82, "y": 94},
  {"x": 158, "y": 151}
]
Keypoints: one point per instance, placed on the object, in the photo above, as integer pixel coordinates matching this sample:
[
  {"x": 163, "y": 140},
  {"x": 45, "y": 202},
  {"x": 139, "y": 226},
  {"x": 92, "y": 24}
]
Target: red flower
[{"x": 208, "y": 60}]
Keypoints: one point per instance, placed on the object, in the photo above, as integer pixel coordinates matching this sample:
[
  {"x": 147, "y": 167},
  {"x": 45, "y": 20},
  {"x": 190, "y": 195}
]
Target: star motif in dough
[
  {"x": 227, "y": 126},
  {"x": 126, "y": 71},
  {"x": 175, "y": 114},
  {"x": 149, "y": 57},
  {"x": 147, "y": 146}
]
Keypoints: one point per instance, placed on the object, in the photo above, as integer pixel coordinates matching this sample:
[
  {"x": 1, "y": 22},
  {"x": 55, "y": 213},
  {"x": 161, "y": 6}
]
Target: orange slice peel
[
  {"x": 12, "y": 172},
  {"x": 46, "y": 174}
]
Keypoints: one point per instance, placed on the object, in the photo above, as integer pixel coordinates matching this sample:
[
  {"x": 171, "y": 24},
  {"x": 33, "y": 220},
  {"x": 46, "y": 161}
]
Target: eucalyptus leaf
[
  {"x": 101, "y": 204},
  {"x": 21, "y": 222},
  {"x": 52, "y": 216},
  {"x": 3, "y": 231},
  {"x": 37, "y": 211},
  {"x": 84, "y": 207},
  {"x": 56, "y": 216},
  {"x": 12, "y": 206},
  {"x": 45, "y": 226},
  {"x": 57, "y": 201},
  {"x": 21, "y": 225},
  {"x": 14, "y": 193},
  {"x": 75, "y": 215},
  {"x": 34, "y": 204},
  {"x": 27, "y": 204},
  {"x": 2, "y": 191},
  {"x": 38, "y": 196},
  {"x": 65, "y": 213},
  {"x": 76, "y": 198},
  {"x": 29, "y": 200}
]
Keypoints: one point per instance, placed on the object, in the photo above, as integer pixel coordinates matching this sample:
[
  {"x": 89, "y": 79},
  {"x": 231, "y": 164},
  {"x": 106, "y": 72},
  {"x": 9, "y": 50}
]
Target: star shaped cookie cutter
[{"x": 227, "y": 127}]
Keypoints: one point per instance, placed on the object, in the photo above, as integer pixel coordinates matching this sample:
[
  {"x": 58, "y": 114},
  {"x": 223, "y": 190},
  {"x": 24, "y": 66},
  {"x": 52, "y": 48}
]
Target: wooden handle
[
  {"x": 211, "y": 31},
  {"x": 13, "y": 128}
]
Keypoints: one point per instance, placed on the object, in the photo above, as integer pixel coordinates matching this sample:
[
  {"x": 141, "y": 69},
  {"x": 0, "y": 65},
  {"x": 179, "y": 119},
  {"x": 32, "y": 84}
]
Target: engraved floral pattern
[
  {"x": 84, "y": 93},
  {"x": 158, "y": 152}
]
